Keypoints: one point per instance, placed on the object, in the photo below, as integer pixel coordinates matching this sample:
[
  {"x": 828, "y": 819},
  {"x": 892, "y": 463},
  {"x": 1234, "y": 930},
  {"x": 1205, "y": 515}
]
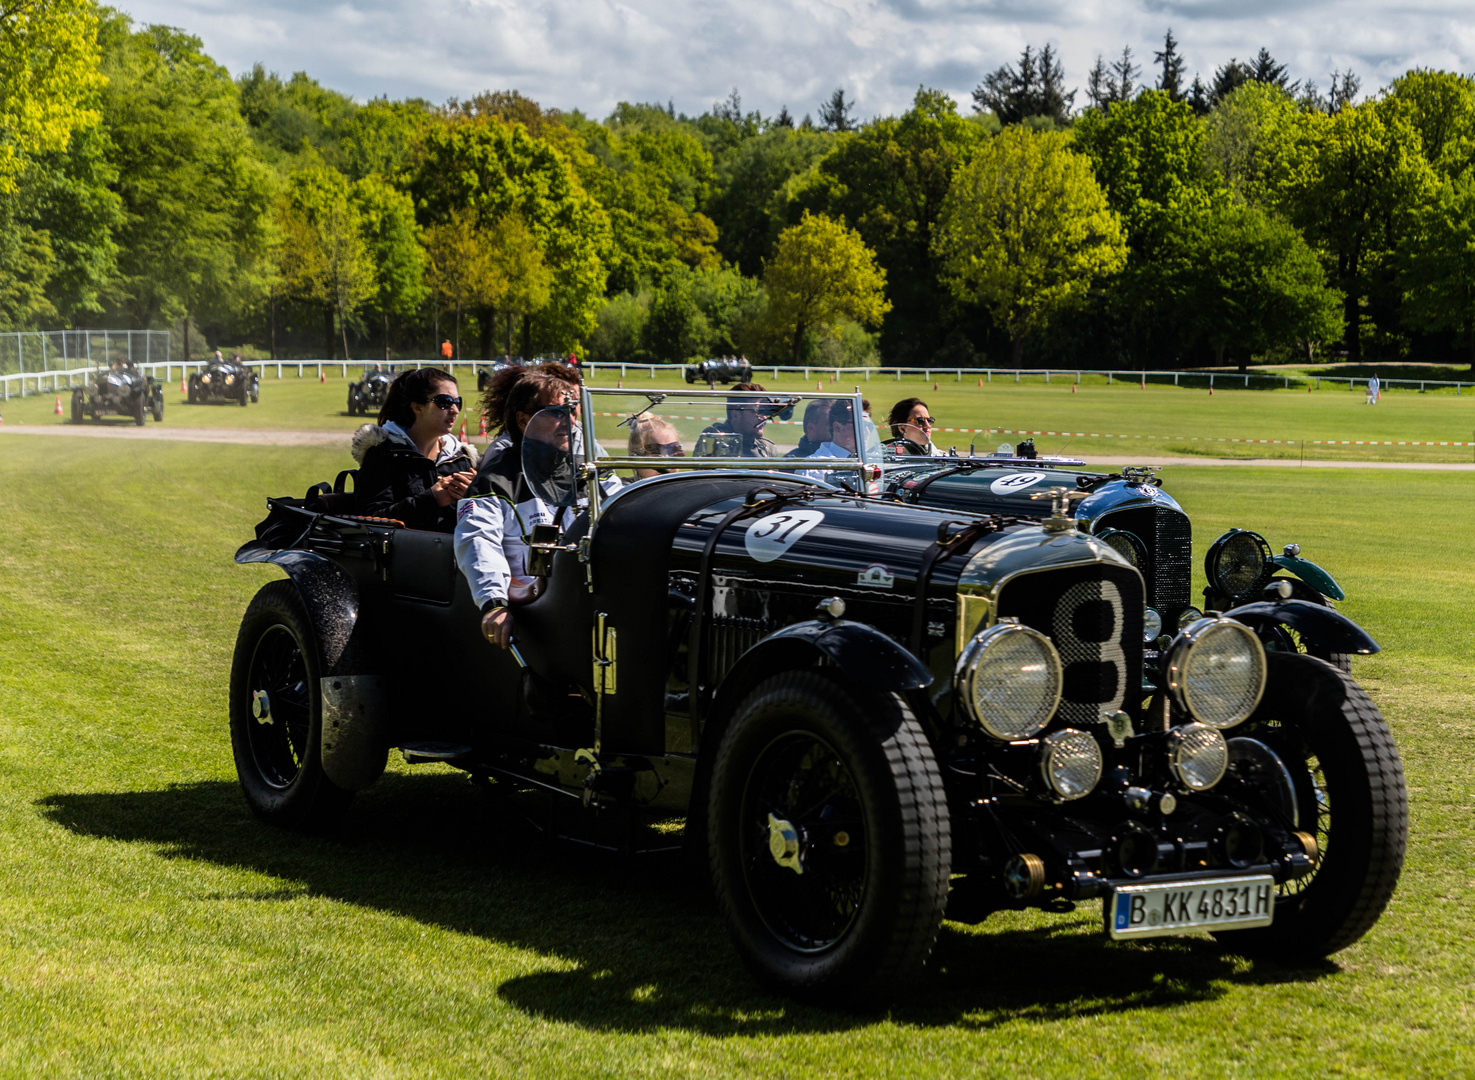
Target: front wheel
[
  {"x": 829, "y": 839},
  {"x": 158, "y": 407},
  {"x": 276, "y": 713},
  {"x": 1345, "y": 787},
  {"x": 140, "y": 409},
  {"x": 79, "y": 406}
]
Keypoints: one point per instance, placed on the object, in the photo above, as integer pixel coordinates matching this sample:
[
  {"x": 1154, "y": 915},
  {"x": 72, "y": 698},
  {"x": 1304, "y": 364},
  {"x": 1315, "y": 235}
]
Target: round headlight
[
  {"x": 1125, "y": 544},
  {"x": 1190, "y": 616},
  {"x": 1197, "y": 756},
  {"x": 1010, "y": 677},
  {"x": 1152, "y": 624},
  {"x": 1070, "y": 761},
  {"x": 1238, "y": 563},
  {"x": 1216, "y": 670}
]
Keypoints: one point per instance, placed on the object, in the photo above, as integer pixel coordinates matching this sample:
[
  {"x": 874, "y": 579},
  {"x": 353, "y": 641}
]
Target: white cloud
[{"x": 591, "y": 54}]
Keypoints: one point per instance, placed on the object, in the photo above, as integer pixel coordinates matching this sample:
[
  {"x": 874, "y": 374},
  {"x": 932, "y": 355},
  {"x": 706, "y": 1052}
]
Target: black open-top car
[
  {"x": 725, "y": 369},
  {"x": 225, "y": 380},
  {"x": 120, "y": 390},
  {"x": 870, "y": 714},
  {"x": 367, "y": 395}
]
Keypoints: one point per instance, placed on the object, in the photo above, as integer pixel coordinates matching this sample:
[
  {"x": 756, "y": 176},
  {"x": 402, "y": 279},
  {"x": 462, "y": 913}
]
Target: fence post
[
  {"x": 1078, "y": 378},
  {"x": 279, "y": 369},
  {"x": 1175, "y": 378},
  {"x": 320, "y": 372},
  {"x": 1047, "y": 376},
  {"x": 1016, "y": 376},
  {"x": 1247, "y": 382},
  {"x": 1211, "y": 380}
]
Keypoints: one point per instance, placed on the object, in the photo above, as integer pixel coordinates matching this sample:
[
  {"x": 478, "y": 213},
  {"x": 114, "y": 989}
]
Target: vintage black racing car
[
  {"x": 225, "y": 380},
  {"x": 1130, "y": 511},
  {"x": 120, "y": 390},
  {"x": 367, "y": 395},
  {"x": 723, "y": 369},
  {"x": 870, "y": 715}
]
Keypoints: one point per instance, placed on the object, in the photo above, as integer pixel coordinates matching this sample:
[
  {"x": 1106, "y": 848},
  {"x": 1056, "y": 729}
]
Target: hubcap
[
  {"x": 261, "y": 706},
  {"x": 783, "y": 844}
]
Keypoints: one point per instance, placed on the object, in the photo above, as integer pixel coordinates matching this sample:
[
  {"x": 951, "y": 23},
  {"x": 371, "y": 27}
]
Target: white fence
[
  {"x": 54, "y": 381},
  {"x": 44, "y": 352}
]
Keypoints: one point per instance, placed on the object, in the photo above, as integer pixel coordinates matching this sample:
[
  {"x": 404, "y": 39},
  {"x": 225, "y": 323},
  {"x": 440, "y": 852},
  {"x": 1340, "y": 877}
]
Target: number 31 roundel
[{"x": 770, "y": 537}]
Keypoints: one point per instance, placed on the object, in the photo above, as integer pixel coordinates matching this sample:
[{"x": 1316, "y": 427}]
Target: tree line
[{"x": 1160, "y": 222}]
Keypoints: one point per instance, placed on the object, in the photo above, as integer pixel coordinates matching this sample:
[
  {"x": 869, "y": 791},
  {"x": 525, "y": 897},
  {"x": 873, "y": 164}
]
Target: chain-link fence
[{"x": 65, "y": 350}]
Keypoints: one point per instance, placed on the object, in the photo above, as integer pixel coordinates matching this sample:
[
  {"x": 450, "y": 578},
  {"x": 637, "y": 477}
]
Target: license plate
[{"x": 1176, "y": 906}]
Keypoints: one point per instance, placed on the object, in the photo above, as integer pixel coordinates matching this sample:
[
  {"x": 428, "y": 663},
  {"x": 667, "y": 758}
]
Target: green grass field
[
  {"x": 1160, "y": 421},
  {"x": 150, "y": 926}
]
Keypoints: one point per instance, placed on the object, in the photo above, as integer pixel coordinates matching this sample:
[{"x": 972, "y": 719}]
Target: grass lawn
[
  {"x": 150, "y": 926},
  {"x": 1160, "y": 421}
]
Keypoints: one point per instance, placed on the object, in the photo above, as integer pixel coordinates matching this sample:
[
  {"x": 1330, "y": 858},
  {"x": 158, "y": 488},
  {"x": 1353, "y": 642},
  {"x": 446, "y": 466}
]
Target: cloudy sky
[{"x": 591, "y": 54}]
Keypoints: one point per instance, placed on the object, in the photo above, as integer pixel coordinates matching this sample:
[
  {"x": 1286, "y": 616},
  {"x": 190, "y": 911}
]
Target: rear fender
[
  {"x": 1320, "y": 627},
  {"x": 353, "y": 694}
]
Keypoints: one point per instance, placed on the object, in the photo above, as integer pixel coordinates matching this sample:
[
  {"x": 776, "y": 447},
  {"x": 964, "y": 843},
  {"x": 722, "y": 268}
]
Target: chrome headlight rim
[
  {"x": 1215, "y": 571},
  {"x": 1203, "y": 740},
  {"x": 970, "y": 661},
  {"x": 1137, "y": 549},
  {"x": 1180, "y": 653},
  {"x": 1076, "y": 742},
  {"x": 1151, "y": 630}
]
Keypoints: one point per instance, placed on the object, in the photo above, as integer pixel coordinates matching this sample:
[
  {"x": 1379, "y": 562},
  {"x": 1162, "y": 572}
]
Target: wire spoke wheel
[{"x": 281, "y": 709}]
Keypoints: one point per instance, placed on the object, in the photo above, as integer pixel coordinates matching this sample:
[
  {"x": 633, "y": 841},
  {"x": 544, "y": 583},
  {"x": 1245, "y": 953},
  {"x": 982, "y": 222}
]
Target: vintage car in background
[
  {"x": 225, "y": 380},
  {"x": 871, "y": 715},
  {"x": 1130, "y": 511},
  {"x": 120, "y": 390},
  {"x": 367, "y": 395},
  {"x": 724, "y": 369},
  {"x": 484, "y": 375}
]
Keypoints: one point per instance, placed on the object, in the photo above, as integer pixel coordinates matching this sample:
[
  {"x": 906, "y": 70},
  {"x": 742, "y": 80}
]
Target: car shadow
[{"x": 646, "y": 947}]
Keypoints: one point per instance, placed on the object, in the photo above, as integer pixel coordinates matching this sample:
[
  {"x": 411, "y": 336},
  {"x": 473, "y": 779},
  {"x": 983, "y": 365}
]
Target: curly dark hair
[
  {"x": 415, "y": 385},
  {"x": 901, "y": 412},
  {"x": 496, "y": 400}
]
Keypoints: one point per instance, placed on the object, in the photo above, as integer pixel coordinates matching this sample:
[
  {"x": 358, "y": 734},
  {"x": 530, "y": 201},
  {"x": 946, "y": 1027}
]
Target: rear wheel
[
  {"x": 244, "y": 395},
  {"x": 829, "y": 839},
  {"x": 158, "y": 407},
  {"x": 353, "y": 402},
  {"x": 276, "y": 713},
  {"x": 140, "y": 409},
  {"x": 79, "y": 405},
  {"x": 1346, "y": 789},
  {"x": 194, "y": 392}
]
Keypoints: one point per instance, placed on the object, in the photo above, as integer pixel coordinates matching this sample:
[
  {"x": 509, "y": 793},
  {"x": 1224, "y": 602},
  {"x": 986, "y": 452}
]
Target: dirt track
[{"x": 270, "y": 437}]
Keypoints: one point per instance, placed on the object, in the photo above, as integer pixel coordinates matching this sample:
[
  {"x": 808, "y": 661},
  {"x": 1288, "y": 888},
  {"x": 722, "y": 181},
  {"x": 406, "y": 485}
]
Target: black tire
[
  {"x": 79, "y": 405},
  {"x": 245, "y": 395},
  {"x": 690, "y": 377},
  {"x": 851, "y": 770},
  {"x": 353, "y": 402},
  {"x": 158, "y": 407},
  {"x": 255, "y": 392},
  {"x": 279, "y": 759},
  {"x": 1349, "y": 793},
  {"x": 194, "y": 392},
  {"x": 140, "y": 409}
]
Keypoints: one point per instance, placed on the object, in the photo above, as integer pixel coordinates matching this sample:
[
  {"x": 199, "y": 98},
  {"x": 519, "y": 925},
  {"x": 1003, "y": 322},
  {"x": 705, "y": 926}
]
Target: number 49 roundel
[{"x": 770, "y": 537}]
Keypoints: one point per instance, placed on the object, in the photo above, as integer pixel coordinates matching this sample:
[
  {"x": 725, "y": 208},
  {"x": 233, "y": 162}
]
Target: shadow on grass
[{"x": 649, "y": 948}]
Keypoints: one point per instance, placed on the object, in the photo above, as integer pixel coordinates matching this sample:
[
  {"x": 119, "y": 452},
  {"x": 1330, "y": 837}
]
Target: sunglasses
[
  {"x": 444, "y": 401},
  {"x": 670, "y": 449},
  {"x": 930, "y": 421}
]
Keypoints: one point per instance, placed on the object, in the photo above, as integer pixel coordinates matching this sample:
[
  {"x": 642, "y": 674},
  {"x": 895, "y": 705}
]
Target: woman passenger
[
  {"x": 410, "y": 465},
  {"x": 651, "y": 436},
  {"x": 911, "y": 428}
]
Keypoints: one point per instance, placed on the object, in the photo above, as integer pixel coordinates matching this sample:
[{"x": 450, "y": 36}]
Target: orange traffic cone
[
  {"x": 462, "y": 436},
  {"x": 980, "y": 380},
  {"x": 482, "y": 434},
  {"x": 1072, "y": 388},
  {"x": 934, "y": 387},
  {"x": 322, "y": 376},
  {"x": 1211, "y": 391},
  {"x": 58, "y": 404},
  {"x": 183, "y": 389}
]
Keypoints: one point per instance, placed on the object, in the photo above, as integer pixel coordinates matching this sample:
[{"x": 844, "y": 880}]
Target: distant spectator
[{"x": 1374, "y": 389}]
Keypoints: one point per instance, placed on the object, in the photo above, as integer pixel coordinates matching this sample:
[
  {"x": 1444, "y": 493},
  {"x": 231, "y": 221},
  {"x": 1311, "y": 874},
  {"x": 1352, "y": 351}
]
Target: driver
[
  {"x": 745, "y": 418},
  {"x": 492, "y": 526}
]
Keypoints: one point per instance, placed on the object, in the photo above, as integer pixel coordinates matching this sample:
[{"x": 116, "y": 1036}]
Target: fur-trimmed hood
[{"x": 370, "y": 435}]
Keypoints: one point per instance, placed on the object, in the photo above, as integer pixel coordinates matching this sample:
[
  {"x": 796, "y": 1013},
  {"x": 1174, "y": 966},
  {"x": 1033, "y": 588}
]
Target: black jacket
[{"x": 394, "y": 480}]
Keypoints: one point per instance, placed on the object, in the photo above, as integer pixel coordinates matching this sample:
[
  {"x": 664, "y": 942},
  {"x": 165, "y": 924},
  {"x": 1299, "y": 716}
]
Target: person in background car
[
  {"x": 410, "y": 465},
  {"x": 911, "y": 428},
  {"x": 745, "y": 419},
  {"x": 816, "y": 429}
]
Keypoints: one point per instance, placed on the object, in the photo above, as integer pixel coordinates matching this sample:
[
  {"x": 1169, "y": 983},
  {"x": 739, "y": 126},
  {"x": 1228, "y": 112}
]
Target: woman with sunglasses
[
  {"x": 911, "y": 428},
  {"x": 411, "y": 466},
  {"x": 653, "y": 437}
]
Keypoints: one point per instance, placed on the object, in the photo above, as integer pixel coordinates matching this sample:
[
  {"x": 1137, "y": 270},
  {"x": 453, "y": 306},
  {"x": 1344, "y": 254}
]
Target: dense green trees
[
  {"x": 1026, "y": 232},
  {"x": 1214, "y": 217}
]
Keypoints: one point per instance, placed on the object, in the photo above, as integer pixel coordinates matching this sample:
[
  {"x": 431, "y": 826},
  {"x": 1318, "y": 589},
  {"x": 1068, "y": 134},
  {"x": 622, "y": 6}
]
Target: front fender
[
  {"x": 1311, "y": 574},
  {"x": 352, "y": 692},
  {"x": 862, "y": 652},
  {"x": 1320, "y": 627}
]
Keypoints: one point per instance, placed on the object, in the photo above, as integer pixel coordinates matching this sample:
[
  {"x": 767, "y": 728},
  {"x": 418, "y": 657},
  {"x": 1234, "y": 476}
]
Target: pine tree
[
  {"x": 783, "y": 119},
  {"x": 1170, "y": 61},
  {"x": 1098, "y": 85},
  {"x": 1124, "y": 75},
  {"x": 834, "y": 115}
]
